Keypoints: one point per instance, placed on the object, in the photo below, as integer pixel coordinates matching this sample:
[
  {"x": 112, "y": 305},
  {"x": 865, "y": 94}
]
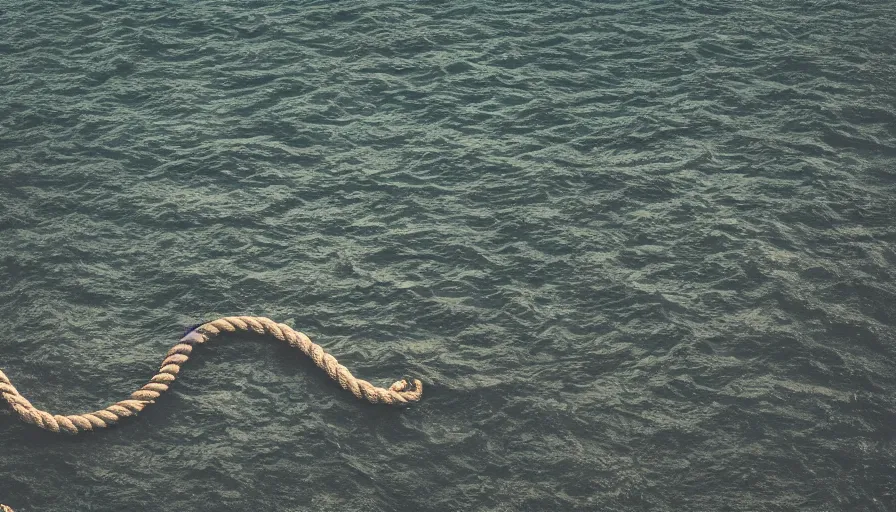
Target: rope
[{"x": 401, "y": 392}]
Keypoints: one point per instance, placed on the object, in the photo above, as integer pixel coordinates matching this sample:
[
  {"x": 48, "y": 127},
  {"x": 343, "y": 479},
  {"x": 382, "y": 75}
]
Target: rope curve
[{"x": 402, "y": 392}]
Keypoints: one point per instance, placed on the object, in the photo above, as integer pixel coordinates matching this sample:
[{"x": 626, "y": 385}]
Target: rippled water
[{"x": 641, "y": 253}]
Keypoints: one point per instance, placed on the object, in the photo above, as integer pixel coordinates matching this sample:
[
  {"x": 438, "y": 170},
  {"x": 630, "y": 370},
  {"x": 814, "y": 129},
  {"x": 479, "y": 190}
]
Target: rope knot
[{"x": 410, "y": 389}]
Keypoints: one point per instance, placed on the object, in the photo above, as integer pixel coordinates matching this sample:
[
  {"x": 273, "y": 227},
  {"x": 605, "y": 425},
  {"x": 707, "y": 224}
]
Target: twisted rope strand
[{"x": 402, "y": 392}]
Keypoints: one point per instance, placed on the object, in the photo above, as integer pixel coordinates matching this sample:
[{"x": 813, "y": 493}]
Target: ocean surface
[{"x": 642, "y": 254}]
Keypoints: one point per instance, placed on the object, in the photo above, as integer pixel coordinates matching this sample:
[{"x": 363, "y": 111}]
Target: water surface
[{"x": 640, "y": 253}]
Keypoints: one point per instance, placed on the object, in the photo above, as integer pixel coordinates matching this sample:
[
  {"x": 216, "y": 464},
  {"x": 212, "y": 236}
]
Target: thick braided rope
[{"x": 401, "y": 392}]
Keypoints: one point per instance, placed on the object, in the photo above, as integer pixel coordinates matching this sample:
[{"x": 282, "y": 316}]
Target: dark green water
[{"x": 641, "y": 253}]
